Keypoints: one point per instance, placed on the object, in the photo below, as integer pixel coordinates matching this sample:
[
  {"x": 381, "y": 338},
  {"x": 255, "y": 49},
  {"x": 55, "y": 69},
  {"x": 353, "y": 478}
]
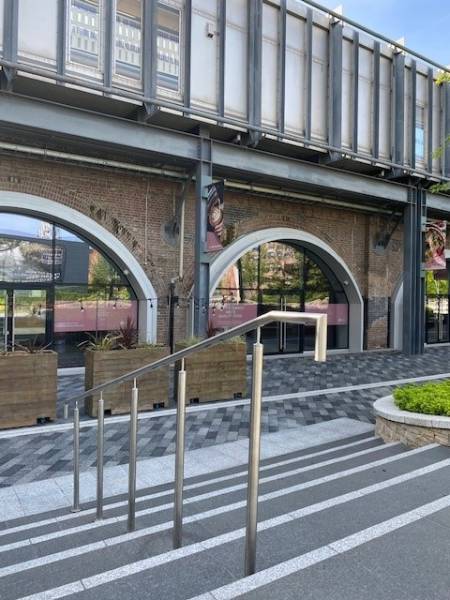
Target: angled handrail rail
[
  {"x": 320, "y": 321},
  {"x": 295, "y": 318}
]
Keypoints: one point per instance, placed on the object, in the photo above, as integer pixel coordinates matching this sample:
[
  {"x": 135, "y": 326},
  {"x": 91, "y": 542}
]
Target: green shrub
[{"x": 429, "y": 399}]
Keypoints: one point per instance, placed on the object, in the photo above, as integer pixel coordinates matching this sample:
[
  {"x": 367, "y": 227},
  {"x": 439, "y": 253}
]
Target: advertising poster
[
  {"x": 215, "y": 217},
  {"x": 435, "y": 240}
]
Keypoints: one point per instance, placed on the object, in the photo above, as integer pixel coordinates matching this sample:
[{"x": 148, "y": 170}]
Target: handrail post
[
  {"x": 320, "y": 354},
  {"x": 254, "y": 457},
  {"x": 100, "y": 454},
  {"x": 132, "y": 459},
  {"x": 179, "y": 459},
  {"x": 76, "y": 459}
]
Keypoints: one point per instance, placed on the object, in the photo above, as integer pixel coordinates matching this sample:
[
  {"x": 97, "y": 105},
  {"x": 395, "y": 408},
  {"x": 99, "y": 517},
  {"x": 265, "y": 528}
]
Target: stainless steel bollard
[
  {"x": 76, "y": 459},
  {"x": 179, "y": 460},
  {"x": 253, "y": 459},
  {"x": 100, "y": 454},
  {"x": 320, "y": 353},
  {"x": 66, "y": 411},
  {"x": 132, "y": 459}
]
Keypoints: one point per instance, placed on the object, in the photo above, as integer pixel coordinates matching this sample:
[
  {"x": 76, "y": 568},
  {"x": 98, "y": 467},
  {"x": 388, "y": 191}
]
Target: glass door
[
  {"x": 281, "y": 337},
  {"x": 29, "y": 317}
]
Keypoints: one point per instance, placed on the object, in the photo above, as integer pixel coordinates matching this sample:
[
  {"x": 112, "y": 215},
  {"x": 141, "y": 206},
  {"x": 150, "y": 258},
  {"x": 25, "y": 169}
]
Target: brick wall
[{"x": 136, "y": 208}]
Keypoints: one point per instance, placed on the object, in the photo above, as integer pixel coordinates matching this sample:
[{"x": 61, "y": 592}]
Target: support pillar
[
  {"x": 414, "y": 276},
  {"x": 203, "y": 179}
]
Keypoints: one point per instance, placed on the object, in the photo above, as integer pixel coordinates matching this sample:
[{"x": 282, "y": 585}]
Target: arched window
[
  {"x": 57, "y": 288},
  {"x": 282, "y": 276}
]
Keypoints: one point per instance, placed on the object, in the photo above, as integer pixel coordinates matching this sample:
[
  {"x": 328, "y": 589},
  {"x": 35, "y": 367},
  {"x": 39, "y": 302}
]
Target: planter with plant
[
  {"x": 217, "y": 373},
  {"x": 28, "y": 385},
  {"x": 116, "y": 354}
]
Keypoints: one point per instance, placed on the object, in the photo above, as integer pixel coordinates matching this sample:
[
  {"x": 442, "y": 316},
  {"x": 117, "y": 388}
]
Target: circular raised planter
[{"x": 412, "y": 429}]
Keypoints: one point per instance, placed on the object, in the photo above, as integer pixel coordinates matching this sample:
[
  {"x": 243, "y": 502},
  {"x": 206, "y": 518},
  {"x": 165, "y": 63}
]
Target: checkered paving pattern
[{"x": 41, "y": 456}]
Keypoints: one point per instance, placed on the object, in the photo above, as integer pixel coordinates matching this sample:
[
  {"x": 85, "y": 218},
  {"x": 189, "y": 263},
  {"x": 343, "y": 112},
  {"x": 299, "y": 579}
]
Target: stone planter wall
[
  {"x": 104, "y": 366},
  {"x": 28, "y": 387},
  {"x": 217, "y": 373},
  {"x": 412, "y": 429}
]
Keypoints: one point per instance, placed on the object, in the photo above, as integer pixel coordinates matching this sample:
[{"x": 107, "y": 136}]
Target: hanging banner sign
[
  {"x": 435, "y": 242},
  {"x": 215, "y": 217}
]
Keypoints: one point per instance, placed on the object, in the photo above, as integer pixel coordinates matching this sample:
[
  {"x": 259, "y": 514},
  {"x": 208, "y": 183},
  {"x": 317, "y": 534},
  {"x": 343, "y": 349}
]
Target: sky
[{"x": 424, "y": 25}]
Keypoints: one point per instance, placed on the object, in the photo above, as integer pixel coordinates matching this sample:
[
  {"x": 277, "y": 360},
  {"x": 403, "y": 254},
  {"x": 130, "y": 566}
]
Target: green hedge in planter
[{"x": 429, "y": 399}]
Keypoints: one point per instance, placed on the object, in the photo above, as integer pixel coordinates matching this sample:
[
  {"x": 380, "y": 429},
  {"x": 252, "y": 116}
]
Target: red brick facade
[{"x": 135, "y": 208}]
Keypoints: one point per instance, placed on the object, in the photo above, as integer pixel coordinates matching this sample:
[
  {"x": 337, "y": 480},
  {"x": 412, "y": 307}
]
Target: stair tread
[{"x": 342, "y": 519}]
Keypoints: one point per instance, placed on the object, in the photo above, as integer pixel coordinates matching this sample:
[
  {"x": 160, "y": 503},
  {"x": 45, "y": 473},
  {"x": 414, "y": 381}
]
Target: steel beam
[
  {"x": 178, "y": 147},
  {"x": 398, "y": 150},
  {"x": 335, "y": 86},
  {"x": 203, "y": 179},
  {"x": 308, "y": 73},
  {"x": 222, "y": 54},
  {"x": 413, "y": 280},
  {"x": 429, "y": 151},
  {"x": 376, "y": 100},
  {"x": 254, "y": 73},
  {"x": 355, "y": 90},
  {"x": 413, "y": 118},
  {"x": 282, "y": 68}
]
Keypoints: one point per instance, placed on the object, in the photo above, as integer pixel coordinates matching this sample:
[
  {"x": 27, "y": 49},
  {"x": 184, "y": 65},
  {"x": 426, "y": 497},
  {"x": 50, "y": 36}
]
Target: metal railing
[{"x": 320, "y": 322}]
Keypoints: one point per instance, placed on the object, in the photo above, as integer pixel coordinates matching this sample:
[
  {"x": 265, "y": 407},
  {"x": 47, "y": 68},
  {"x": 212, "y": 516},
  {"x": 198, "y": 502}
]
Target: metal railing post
[
  {"x": 76, "y": 459},
  {"x": 179, "y": 459},
  {"x": 100, "y": 454},
  {"x": 132, "y": 459},
  {"x": 320, "y": 354},
  {"x": 253, "y": 458}
]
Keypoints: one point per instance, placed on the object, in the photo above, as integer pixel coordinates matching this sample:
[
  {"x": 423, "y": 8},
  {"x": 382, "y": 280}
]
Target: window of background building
[
  {"x": 128, "y": 40},
  {"x": 85, "y": 38},
  {"x": 168, "y": 47}
]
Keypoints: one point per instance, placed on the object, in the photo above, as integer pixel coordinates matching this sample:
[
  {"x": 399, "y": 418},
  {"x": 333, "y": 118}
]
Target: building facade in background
[{"x": 117, "y": 117}]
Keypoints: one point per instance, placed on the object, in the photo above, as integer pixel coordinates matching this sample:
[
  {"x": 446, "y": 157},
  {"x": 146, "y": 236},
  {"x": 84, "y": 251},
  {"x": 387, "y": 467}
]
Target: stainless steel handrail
[
  {"x": 270, "y": 317},
  {"x": 320, "y": 322}
]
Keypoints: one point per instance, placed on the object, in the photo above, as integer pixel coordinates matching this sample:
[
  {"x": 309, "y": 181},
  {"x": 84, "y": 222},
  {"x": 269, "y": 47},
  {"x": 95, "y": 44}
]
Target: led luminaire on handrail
[{"x": 278, "y": 316}]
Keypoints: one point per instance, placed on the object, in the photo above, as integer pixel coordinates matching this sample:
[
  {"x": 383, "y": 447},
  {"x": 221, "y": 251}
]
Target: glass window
[
  {"x": 168, "y": 47},
  {"x": 128, "y": 42},
  {"x": 26, "y": 249},
  {"x": 420, "y": 133},
  {"x": 85, "y": 38}
]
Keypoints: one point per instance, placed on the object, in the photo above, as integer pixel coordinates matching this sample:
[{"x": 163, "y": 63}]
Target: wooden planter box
[
  {"x": 28, "y": 387},
  {"x": 217, "y": 373},
  {"x": 104, "y": 366}
]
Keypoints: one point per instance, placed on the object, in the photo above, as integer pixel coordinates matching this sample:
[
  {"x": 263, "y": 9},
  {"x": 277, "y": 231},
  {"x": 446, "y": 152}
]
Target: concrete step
[
  {"x": 299, "y": 512},
  {"x": 217, "y": 496}
]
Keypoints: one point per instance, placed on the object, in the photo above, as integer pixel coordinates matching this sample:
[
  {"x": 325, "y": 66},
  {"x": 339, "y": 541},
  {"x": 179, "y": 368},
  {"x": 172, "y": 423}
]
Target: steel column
[
  {"x": 253, "y": 459},
  {"x": 187, "y": 52},
  {"x": 446, "y": 157},
  {"x": 254, "y": 73},
  {"x": 355, "y": 90},
  {"x": 335, "y": 86},
  {"x": 399, "y": 108},
  {"x": 413, "y": 117},
  {"x": 413, "y": 281},
  {"x": 222, "y": 54},
  {"x": 376, "y": 100},
  {"x": 149, "y": 49},
  {"x": 203, "y": 179},
  {"x": 282, "y": 67},
  {"x": 308, "y": 73},
  {"x": 10, "y": 34},
  {"x": 61, "y": 38},
  {"x": 179, "y": 459},
  {"x": 429, "y": 150},
  {"x": 109, "y": 24}
]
